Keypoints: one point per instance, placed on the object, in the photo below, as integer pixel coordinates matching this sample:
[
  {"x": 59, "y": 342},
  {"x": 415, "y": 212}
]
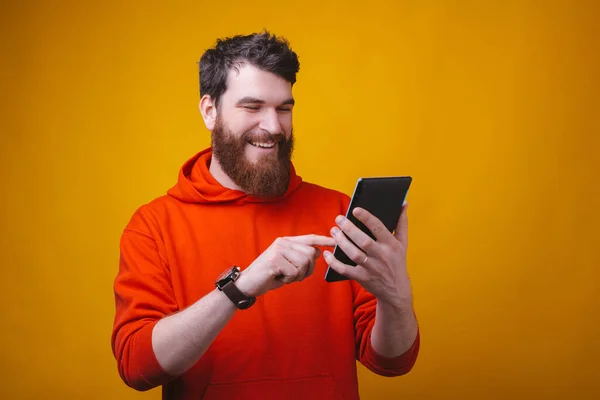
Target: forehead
[{"x": 246, "y": 80}]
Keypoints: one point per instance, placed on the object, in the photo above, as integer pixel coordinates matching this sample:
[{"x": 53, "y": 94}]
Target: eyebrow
[{"x": 254, "y": 100}]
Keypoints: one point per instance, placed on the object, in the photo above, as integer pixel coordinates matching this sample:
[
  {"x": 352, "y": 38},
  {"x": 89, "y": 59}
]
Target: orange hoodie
[{"x": 297, "y": 342}]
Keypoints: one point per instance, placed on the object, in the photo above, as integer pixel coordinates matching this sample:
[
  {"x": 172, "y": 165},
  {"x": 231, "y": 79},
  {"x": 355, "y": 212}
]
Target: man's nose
[{"x": 270, "y": 122}]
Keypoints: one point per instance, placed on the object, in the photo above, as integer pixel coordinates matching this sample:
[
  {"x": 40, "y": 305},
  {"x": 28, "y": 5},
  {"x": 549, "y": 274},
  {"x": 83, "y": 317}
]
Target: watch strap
[{"x": 241, "y": 300}]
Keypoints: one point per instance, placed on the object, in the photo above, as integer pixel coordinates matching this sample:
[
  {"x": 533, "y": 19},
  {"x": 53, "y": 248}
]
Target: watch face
[{"x": 228, "y": 275}]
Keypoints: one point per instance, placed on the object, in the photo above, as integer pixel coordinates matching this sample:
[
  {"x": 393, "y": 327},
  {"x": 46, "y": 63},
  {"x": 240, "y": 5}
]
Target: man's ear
[{"x": 208, "y": 109}]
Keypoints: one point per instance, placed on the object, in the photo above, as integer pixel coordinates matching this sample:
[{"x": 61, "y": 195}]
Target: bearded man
[{"x": 215, "y": 294}]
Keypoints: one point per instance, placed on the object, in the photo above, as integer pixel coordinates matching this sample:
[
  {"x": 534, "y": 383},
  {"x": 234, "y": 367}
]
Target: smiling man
[
  {"x": 215, "y": 296},
  {"x": 252, "y": 151}
]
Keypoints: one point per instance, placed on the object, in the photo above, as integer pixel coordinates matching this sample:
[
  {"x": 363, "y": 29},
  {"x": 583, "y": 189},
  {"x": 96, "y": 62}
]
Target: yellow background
[{"x": 492, "y": 107}]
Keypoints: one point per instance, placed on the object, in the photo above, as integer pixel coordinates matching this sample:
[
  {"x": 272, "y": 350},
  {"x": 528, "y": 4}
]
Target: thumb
[{"x": 401, "y": 232}]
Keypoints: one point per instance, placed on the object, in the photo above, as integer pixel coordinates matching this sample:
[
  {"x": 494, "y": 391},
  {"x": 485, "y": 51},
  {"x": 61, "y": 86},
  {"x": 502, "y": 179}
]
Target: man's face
[{"x": 252, "y": 138}]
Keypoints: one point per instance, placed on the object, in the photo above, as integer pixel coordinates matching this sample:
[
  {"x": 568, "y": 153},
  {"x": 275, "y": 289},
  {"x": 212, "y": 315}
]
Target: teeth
[{"x": 263, "y": 145}]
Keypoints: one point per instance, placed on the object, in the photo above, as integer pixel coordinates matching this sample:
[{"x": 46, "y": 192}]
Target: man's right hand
[
  {"x": 288, "y": 259},
  {"x": 180, "y": 339}
]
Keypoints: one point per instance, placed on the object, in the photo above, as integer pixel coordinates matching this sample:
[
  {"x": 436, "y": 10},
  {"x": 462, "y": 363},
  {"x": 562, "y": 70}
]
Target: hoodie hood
[{"x": 196, "y": 184}]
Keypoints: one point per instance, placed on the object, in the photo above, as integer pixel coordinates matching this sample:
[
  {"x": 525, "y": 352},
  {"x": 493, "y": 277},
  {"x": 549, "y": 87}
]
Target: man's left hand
[{"x": 381, "y": 264}]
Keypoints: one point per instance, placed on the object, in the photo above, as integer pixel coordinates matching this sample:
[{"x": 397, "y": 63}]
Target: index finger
[{"x": 313, "y": 240}]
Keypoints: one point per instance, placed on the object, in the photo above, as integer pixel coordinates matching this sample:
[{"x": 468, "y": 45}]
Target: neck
[{"x": 217, "y": 172}]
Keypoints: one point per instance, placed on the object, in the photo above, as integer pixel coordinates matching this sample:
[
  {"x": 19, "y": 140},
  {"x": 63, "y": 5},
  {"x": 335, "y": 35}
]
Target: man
[{"x": 214, "y": 295}]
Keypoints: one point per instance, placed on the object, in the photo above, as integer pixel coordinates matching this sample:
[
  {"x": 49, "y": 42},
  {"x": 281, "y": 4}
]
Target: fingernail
[
  {"x": 326, "y": 254},
  {"x": 339, "y": 219},
  {"x": 335, "y": 231}
]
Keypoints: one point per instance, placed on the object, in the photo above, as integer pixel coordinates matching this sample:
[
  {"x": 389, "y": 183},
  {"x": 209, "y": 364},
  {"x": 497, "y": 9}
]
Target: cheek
[
  {"x": 243, "y": 122},
  {"x": 285, "y": 121}
]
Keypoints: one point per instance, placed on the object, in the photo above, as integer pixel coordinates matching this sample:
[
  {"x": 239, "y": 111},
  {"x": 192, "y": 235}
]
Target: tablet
[{"x": 383, "y": 197}]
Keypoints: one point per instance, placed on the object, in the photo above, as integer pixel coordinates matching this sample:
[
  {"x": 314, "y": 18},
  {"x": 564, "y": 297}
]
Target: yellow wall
[{"x": 492, "y": 107}]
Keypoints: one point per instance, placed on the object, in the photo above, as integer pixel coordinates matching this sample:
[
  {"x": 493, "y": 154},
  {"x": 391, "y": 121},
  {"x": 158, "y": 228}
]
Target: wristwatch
[{"x": 225, "y": 283}]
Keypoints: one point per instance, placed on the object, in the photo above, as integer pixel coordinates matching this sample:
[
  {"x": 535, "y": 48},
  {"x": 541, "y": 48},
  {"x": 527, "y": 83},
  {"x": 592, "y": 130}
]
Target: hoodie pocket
[{"x": 314, "y": 387}]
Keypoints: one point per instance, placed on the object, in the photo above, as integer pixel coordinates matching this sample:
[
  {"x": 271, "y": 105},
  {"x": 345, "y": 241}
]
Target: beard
[{"x": 269, "y": 176}]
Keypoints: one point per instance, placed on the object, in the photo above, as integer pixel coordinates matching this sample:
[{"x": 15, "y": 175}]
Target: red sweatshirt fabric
[{"x": 297, "y": 342}]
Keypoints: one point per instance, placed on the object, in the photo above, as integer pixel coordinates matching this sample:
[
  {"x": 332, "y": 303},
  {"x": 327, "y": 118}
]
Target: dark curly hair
[{"x": 263, "y": 50}]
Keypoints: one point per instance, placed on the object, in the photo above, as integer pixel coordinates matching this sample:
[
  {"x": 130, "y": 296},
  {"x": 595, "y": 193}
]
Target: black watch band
[{"x": 226, "y": 284}]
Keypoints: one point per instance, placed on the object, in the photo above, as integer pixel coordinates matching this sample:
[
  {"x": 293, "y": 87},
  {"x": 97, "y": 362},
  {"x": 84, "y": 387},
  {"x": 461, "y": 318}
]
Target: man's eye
[
  {"x": 253, "y": 108},
  {"x": 284, "y": 109}
]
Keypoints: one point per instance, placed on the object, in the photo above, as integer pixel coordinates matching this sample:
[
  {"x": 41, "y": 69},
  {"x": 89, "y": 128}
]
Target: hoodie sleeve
[
  {"x": 365, "y": 305},
  {"x": 143, "y": 295}
]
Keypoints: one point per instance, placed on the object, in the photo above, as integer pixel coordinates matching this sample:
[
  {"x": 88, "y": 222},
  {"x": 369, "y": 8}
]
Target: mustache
[{"x": 265, "y": 137}]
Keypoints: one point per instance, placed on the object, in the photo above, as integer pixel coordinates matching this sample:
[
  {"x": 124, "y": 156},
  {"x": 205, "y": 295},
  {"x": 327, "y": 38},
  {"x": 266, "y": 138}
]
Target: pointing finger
[{"x": 313, "y": 240}]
